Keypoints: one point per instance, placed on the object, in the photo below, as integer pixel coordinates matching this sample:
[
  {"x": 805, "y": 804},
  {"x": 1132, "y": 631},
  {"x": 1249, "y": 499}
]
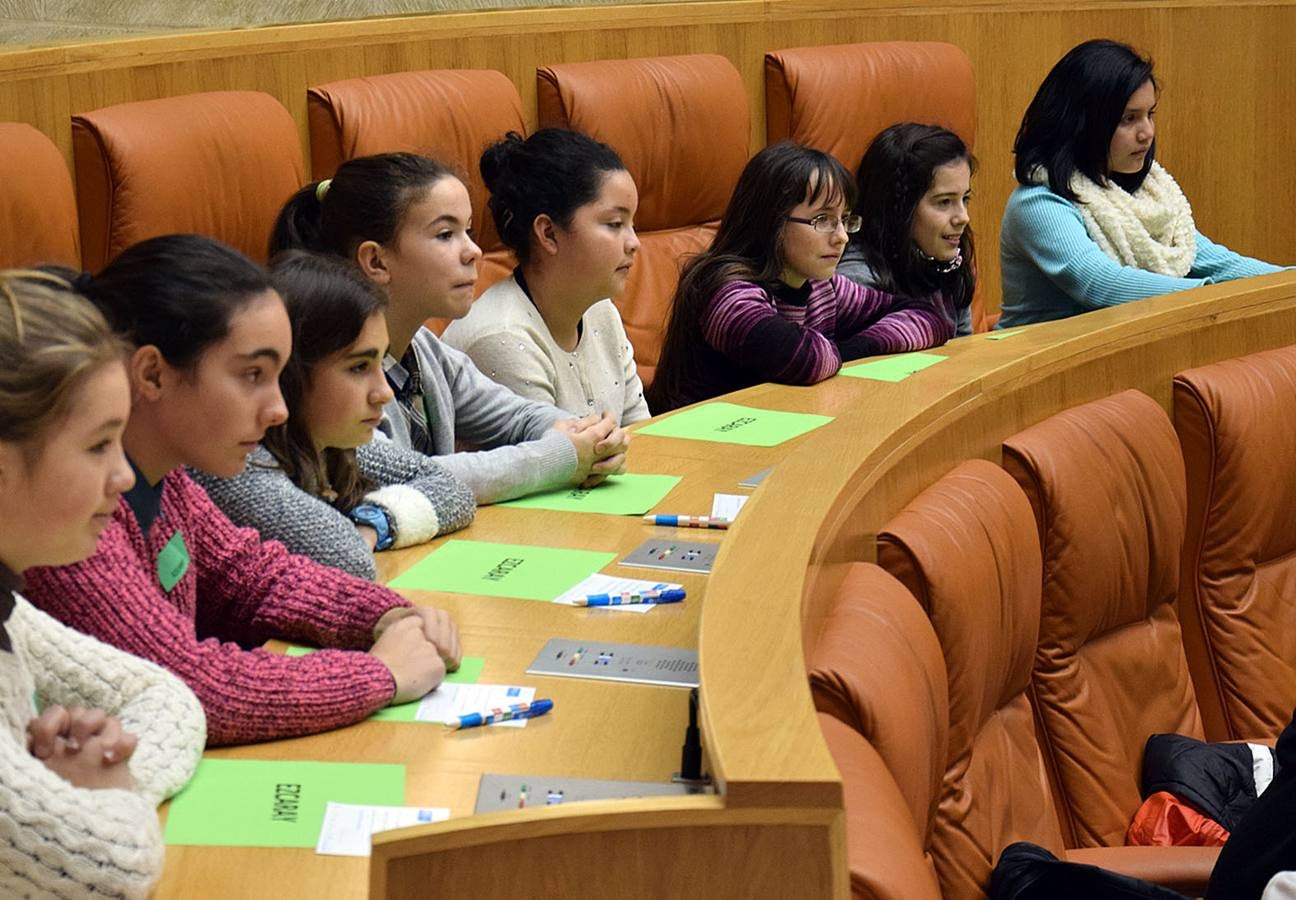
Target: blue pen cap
[{"x": 539, "y": 707}]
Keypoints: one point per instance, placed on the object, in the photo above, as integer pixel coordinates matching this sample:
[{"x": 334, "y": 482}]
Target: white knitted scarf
[{"x": 1151, "y": 229}]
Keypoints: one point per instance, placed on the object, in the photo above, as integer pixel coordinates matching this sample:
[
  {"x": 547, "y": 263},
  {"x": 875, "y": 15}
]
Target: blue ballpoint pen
[
  {"x": 504, "y": 714},
  {"x": 674, "y": 596}
]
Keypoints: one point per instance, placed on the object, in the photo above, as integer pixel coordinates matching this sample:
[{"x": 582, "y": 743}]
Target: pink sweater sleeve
[{"x": 236, "y": 588}]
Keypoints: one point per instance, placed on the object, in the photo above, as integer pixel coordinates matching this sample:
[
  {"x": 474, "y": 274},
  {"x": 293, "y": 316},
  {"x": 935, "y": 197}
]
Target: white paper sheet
[
  {"x": 450, "y": 701},
  {"x": 348, "y": 827},
  {"x": 726, "y": 506},
  {"x": 598, "y": 583}
]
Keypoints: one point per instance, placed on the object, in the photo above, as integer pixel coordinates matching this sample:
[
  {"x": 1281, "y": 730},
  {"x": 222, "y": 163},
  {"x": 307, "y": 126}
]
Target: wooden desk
[{"x": 776, "y": 827}]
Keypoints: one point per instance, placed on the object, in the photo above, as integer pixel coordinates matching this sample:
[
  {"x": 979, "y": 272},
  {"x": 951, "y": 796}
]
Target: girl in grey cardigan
[
  {"x": 406, "y": 222},
  {"x": 320, "y": 484}
]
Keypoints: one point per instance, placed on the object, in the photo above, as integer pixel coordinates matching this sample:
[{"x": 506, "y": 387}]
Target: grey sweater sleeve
[
  {"x": 522, "y": 452},
  {"x": 422, "y": 498},
  {"x": 264, "y": 498}
]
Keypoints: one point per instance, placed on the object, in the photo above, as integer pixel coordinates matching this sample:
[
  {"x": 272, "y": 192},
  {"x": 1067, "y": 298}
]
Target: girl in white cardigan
[
  {"x": 91, "y": 738},
  {"x": 565, "y": 205}
]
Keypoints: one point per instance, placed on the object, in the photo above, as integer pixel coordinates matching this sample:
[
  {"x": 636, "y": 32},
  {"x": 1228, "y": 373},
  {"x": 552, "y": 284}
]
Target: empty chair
[
  {"x": 1106, "y": 483},
  {"x": 451, "y": 115},
  {"x": 218, "y": 164},
  {"x": 680, "y": 124},
  {"x": 878, "y": 682},
  {"x": 966, "y": 548},
  {"x": 38, "y": 222},
  {"x": 1238, "y": 588}
]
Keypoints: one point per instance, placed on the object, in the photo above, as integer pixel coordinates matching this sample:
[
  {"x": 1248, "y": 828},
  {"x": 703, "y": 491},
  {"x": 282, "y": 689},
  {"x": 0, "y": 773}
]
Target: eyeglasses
[{"x": 828, "y": 224}]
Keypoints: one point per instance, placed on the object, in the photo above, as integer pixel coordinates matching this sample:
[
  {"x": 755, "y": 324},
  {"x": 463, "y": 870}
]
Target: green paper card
[
  {"x": 172, "y": 562},
  {"x": 469, "y": 672},
  {"x": 620, "y": 495},
  {"x": 729, "y": 423},
  {"x": 894, "y": 368},
  {"x": 1000, "y": 335},
  {"x": 501, "y": 570},
  {"x": 259, "y": 803}
]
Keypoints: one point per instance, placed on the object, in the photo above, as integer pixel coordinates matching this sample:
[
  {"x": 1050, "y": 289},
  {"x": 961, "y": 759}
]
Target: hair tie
[
  {"x": 322, "y": 188},
  {"x": 508, "y": 218},
  {"x": 81, "y": 282}
]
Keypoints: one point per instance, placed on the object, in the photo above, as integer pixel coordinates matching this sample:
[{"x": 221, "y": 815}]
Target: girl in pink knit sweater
[{"x": 173, "y": 580}]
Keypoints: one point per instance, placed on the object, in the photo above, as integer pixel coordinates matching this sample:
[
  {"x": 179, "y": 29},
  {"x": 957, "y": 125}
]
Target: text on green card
[{"x": 503, "y": 568}]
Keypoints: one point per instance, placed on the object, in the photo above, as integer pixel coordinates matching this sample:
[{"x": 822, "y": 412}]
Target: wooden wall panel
[{"x": 1223, "y": 66}]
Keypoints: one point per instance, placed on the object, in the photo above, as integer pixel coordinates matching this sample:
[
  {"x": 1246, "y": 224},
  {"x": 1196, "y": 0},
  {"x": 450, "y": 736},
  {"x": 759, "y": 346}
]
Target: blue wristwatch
[{"x": 376, "y": 518}]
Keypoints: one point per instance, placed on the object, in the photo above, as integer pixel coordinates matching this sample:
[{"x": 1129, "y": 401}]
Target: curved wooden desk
[{"x": 776, "y": 827}]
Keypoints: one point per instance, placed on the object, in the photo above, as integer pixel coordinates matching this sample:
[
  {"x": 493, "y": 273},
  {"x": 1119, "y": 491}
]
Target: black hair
[
  {"x": 365, "y": 200},
  {"x": 894, "y": 175},
  {"x": 328, "y": 301},
  {"x": 554, "y": 172},
  {"x": 1069, "y": 125},
  {"x": 177, "y": 293},
  {"x": 748, "y": 245}
]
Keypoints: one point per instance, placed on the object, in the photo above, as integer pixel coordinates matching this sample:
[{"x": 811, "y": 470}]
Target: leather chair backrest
[
  {"x": 681, "y": 125},
  {"x": 1106, "y": 483},
  {"x": 838, "y": 98},
  {"x": 878, "y": 682},
  {"x": 38, "y": 221},
  {"x": 219, "y": 164},
  {"x": 967, "y": 549},
  {"x": 1235, "y": 423},
  {"x": 451, "y": 115}
]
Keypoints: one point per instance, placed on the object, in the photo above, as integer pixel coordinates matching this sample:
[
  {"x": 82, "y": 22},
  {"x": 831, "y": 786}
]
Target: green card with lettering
[
  {"x": 172, "y": 562},
  {"x": 262, "y": 803},
  {"x": 729, "y": 423},
  {"x": 501, "y": 570},
  {"x": 892, "y": 368},
  {"x": 620, "y": 495}
]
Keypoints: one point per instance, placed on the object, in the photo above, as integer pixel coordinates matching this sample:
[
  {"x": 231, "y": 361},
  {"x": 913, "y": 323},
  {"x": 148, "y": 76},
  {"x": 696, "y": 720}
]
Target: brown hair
[{"x": 51, "y": 340}]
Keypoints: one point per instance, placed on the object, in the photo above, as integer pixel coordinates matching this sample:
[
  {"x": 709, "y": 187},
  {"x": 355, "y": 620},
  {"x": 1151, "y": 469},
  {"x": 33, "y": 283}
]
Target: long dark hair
[
  {"x": 329, "y": 301},
  {"x": 1069, "y": 125},
  {"x": 178, "y": 293},
  {"x": 896, "y": 172},
  {"x": 554, "y": 172},
  {"x": 366, "y": 200},
  {"x": 748, "y": 246}
]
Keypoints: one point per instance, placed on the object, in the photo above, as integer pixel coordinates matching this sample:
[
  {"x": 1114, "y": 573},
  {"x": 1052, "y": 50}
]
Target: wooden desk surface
[{"x": 772, "y": 584}]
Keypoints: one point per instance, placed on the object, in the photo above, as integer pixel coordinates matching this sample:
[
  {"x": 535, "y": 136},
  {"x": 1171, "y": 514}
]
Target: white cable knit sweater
[{"x": 57, "y": 840}]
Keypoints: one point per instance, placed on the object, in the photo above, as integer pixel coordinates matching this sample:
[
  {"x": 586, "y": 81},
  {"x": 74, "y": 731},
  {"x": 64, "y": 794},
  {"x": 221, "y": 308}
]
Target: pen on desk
[
  {"x": 686, "y": 521},
  {"x": 627, "y": 598},
  {"x": 504, "y": 714}
]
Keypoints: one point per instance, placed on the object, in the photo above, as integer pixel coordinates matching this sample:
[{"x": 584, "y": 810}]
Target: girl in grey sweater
[{"x": 320, "y": 483}]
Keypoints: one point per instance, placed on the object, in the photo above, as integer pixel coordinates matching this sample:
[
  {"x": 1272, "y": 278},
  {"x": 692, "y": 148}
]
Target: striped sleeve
[{"x": 742, "y": 323}]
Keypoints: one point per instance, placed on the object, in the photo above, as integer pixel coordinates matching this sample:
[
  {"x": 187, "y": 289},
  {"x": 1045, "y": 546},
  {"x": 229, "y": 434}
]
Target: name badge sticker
[{"x": 172, "y": 562}]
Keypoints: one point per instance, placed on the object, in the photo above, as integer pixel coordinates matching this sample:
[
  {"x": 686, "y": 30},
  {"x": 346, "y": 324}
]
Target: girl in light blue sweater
[{"x": 1096, "y": 221}]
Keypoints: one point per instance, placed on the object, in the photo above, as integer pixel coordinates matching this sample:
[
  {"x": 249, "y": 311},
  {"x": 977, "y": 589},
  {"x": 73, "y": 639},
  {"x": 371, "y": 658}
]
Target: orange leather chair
[
  {"x": 883, "y": 712},
  {"x": 1106, "y": 483},
  {"x": 37, "y": 208},
  {"x": 450, "y": 115},
  {"x": 218, "y": 164},
  {"x": 968, "y": 549},
  {"x": 839, "y": 98},
  {"x": 680, "y": 124},
  {"x": 1238, "y": 585}
]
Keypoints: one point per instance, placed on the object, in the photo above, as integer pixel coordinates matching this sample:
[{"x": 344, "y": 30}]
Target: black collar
[{"x": 145, "y": 499}]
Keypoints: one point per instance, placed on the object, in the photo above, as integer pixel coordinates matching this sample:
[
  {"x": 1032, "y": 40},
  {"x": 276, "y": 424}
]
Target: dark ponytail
[
  {"x": 366, "y": 200},
  {"x": 554, "y": 172},
  {"x": 177, "y": 293}
]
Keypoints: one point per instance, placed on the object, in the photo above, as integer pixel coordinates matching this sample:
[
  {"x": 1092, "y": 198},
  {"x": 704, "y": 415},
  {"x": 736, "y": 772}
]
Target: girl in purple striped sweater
[{"x": 763, "y": 302}]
